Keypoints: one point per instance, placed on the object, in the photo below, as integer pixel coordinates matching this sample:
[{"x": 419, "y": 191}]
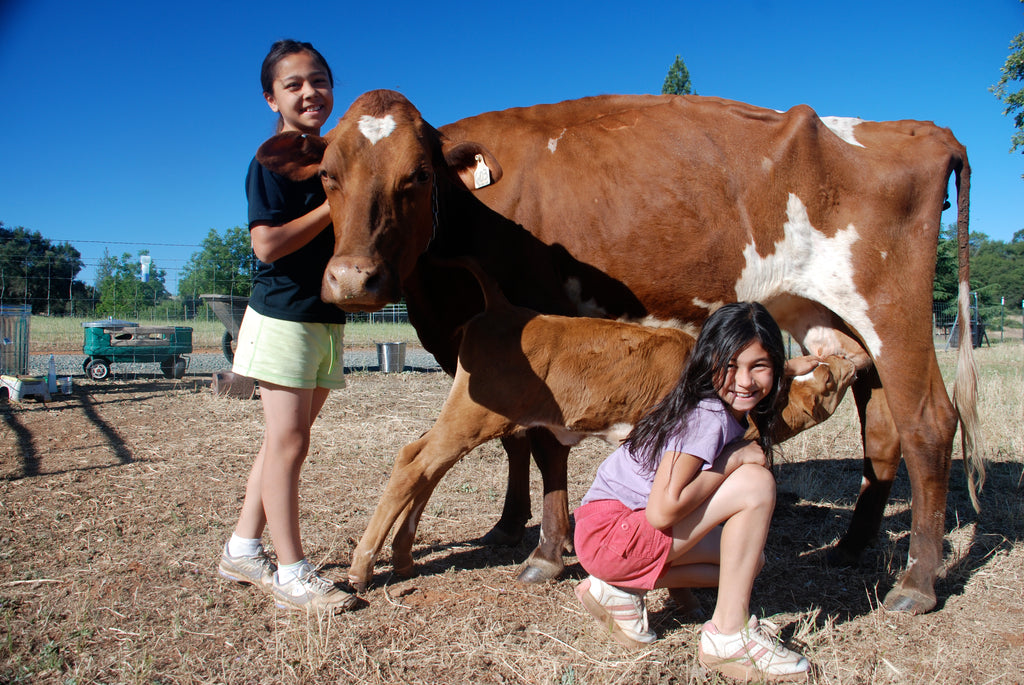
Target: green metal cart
[{"x": 123, "y": 341}]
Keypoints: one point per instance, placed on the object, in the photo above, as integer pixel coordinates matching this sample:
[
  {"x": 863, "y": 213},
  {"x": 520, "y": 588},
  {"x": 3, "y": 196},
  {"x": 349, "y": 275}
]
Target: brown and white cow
[
  {"x": 666, "y": 207},
  {"x": 573, "y": 376}
]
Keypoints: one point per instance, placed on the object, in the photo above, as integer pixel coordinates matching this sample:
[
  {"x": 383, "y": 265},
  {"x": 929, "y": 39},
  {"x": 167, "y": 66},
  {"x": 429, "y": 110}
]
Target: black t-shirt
[{"x": 289, "y": 288}]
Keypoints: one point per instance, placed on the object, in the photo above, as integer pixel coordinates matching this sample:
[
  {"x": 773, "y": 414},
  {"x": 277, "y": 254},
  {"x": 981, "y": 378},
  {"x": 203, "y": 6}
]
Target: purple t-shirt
[{"x": 709, "y": 429}]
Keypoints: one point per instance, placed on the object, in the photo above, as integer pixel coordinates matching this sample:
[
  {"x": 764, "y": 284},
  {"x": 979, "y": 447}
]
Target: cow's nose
[{"x": 357, "y": 283}]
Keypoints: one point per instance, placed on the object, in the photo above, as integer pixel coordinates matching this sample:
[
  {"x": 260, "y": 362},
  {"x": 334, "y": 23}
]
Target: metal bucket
[
  {"x": 391, "y": 356},
  {"x": 14, "y": 322}
]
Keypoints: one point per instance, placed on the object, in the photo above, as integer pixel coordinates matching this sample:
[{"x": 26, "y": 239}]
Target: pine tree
[{"x": 677, "y": 82}]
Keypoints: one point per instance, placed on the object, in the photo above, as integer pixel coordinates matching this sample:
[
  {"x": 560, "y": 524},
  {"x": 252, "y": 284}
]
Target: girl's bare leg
[
  {"x": 272, "y": 492},
  {"x": 252, "y": 520},
  {"x": 743, "y": 504},
  {"x": 697, "y": 566}
]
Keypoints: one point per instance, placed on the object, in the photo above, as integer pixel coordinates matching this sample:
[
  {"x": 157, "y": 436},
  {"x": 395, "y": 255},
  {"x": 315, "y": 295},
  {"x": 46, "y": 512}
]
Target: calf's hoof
[
  {"x": 909, "y": 600},
  {"x": 360, "y": 569}
]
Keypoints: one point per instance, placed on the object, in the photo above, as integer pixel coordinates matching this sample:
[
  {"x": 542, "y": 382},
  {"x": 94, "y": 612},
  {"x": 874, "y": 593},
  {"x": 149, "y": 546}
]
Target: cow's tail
[{"x": 965, "y": 388}]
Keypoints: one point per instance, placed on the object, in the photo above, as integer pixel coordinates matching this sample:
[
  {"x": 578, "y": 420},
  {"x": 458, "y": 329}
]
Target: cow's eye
[{"x": 328, "y": 179}]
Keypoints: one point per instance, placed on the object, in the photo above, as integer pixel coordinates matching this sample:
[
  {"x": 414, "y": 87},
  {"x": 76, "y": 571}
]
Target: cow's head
[{"x": 380, "y": 167}]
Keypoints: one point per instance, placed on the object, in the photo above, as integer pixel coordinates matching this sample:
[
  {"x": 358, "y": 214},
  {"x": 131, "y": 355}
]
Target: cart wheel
[
  {"x": 173, "y": 367},
  {"x": 227, "y": 346},
  {"x": 97, "y": 369}
]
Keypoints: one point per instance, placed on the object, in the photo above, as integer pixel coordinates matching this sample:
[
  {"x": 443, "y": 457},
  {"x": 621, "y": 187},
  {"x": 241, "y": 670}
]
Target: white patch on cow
[
  {"x": 821, "y": 340},
  {"x": 376, "y": 129},
  {"x": 616, "y": 434},
  {"x": 711, "y": 307},
  {"x": 687, "y": 327},
  {"x": 553, "y": 142},
  {"x": 413, "y": 519},
  {"x": 808, "y": 264},
  {"x": 843, "y": 127}
]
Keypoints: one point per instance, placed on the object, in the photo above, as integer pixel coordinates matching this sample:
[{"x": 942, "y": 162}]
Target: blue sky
[{"x": 129, "y": 126}]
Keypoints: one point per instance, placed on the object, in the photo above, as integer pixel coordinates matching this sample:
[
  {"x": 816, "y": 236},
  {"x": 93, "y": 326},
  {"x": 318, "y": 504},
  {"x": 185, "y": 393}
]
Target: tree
[
  {"x": 677, "y": 82},
  {"x": 945, "y": 288},
  {"x": 997, "y": 273},
  {"x": 1013, "y": 71},
  {"x": 223, "y": 266},
  {"x": 121, "y": 289},
  {"x": 35, "y": 271}
]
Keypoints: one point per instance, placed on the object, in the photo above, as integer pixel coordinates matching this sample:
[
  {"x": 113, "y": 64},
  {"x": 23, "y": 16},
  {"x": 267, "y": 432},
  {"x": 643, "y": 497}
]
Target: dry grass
[
  {"x": 51, "y": 334},
  {"x": 114, "y": 504}
]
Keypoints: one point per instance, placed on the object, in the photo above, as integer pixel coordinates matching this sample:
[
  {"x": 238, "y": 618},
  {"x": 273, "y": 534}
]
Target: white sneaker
[
  {"x": 311, "y": 592},
  {"x": 753, "y": 653},
  {"x": 620, "y": 612},
  {"x": 257, "y": 570}
]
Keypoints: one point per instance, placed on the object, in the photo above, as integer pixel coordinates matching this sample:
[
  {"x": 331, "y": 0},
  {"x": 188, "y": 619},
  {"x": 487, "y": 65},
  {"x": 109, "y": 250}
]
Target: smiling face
[
  {"x": 302, "y": 93},
  {"x": 747, "y": 380}
]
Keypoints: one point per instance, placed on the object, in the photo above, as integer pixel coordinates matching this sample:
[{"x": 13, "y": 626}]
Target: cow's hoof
[
  {"x": 841, "y": 557},
  {"x": 497, "y": 537},
  {"x": 539, "y": 570},
  {"x": 357, "y": 585},
  {"x": 535, "y": 574},
  {"x": 909, "y": 600}
]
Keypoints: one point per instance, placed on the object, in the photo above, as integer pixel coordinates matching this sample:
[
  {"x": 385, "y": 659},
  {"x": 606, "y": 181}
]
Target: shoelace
[
  {"x": 316, "y": 583},
  {"x": 766, "y": 634}
]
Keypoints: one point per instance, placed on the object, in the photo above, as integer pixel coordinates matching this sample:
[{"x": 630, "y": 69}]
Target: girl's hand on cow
[
  {"x": 738, "y": 453},
  {"x": 798, "y": 366}
]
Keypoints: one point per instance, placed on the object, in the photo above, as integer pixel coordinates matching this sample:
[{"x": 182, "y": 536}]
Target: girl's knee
[{"x": 758, "y": 484}]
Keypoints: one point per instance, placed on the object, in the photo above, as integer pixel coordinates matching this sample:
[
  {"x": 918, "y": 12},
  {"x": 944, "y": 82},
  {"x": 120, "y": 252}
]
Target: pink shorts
[{"x": 619, "y": 546}]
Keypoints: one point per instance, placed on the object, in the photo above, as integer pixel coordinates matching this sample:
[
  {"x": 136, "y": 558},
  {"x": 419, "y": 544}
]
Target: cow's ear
[
  {"x": 292, "y": 154},
  {"x": 471, "y": 165}
]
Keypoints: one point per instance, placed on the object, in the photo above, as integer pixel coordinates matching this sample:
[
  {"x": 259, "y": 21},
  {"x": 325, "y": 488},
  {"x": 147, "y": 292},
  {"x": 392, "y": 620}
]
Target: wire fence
[{"x": 50, "y": 294}]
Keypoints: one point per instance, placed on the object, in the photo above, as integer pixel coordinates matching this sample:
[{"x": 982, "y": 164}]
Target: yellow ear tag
[{"x": 482, "y": 174}]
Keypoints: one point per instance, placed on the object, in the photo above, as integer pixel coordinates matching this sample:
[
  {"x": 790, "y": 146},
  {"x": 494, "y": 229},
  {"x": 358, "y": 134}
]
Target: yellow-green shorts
[{"x": 290, "y": 353}]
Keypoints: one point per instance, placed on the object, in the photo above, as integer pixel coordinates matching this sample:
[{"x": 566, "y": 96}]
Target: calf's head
[{"x": 381, "y": 168}]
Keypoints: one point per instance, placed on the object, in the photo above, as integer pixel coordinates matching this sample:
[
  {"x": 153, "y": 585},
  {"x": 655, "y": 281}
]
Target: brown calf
[{"x": 577, "y": 377}]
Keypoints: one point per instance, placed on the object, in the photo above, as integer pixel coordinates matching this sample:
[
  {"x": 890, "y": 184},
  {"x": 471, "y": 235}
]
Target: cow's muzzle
[{"x": 359, "y": 284}]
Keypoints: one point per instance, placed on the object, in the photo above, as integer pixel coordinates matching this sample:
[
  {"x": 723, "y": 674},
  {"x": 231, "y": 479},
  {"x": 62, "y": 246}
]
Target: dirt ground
[{"x": 116, "y": 500}]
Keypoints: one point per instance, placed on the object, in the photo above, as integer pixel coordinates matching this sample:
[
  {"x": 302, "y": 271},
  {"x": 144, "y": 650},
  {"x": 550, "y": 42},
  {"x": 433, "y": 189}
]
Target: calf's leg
[
  {"x": 552, "y": 458},
  {"x": 517, "y": 510},
  {"x": 420, "y": 465}
]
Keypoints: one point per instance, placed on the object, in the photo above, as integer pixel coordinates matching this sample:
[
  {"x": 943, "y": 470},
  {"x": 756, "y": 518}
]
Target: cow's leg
[
  {"x": 516, "y": 512},
  {"x": 926, "y": 422},
  {"x": 545, "y": 562},
  {"x": 927, "y": 451},
  {"x": 881, "y": 460}
]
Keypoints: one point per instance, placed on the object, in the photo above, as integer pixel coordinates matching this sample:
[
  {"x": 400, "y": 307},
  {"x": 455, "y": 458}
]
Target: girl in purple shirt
[{"x": 686, "y": 503}]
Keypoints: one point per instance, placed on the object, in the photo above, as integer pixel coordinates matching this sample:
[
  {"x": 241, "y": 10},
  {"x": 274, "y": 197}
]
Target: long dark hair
[
  {"x": 724, "y": 335},
  {"x": 280, "y": 50}
]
